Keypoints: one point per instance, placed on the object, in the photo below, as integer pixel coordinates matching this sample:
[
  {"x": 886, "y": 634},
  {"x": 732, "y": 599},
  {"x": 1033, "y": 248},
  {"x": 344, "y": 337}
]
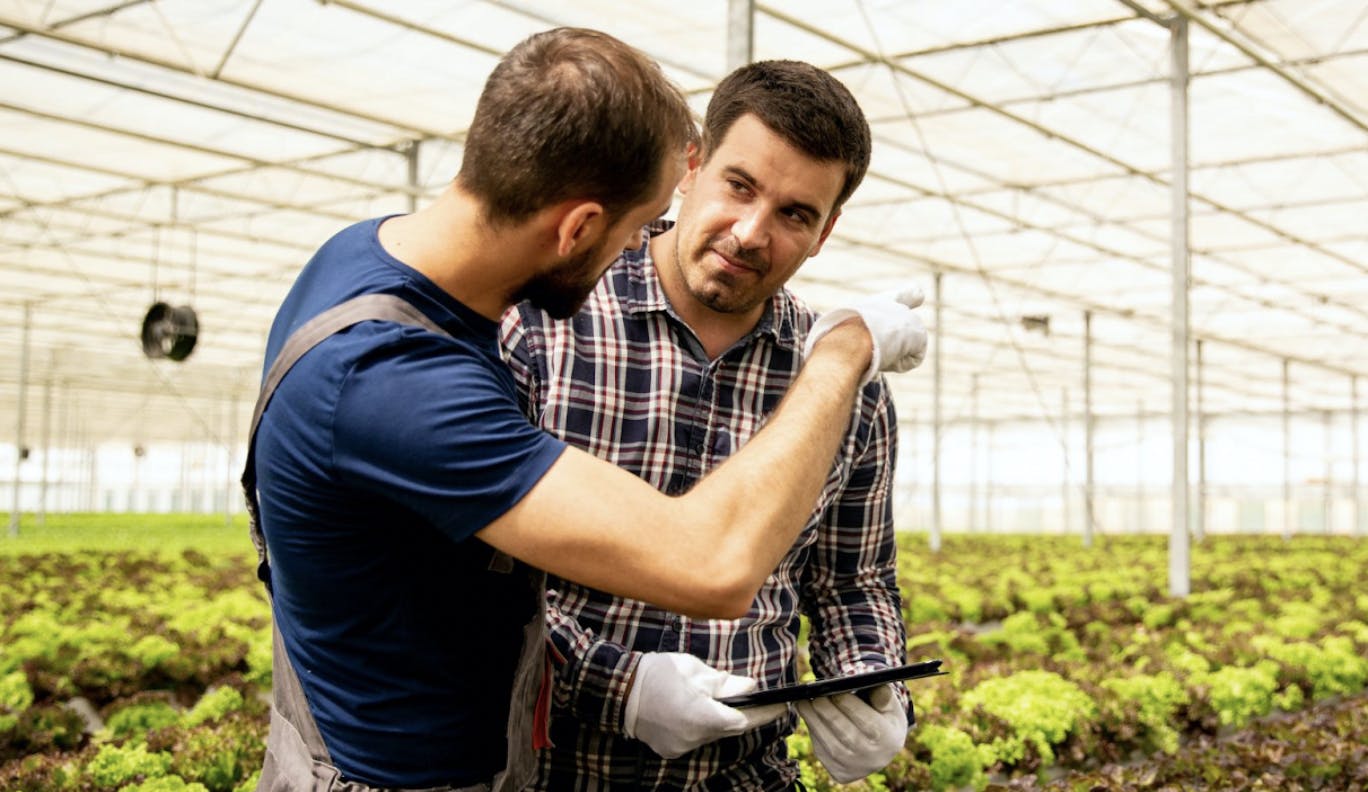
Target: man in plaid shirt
[{"x": 675, "y": 361}]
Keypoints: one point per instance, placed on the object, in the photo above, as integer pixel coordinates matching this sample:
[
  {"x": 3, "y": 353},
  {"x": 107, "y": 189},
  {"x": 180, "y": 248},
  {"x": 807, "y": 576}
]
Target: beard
[
  {"x": 561, "y": 290},
  {"x": 721, "y": 291}
]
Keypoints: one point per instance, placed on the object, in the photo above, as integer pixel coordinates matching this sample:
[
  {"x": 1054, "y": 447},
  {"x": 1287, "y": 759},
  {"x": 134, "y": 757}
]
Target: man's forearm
[
  {"x": 592, "y": 675},
  {"x": 707, "y": 552},
  {"x": 850, "y": 590},
  {"x": 759, "y": 500}
]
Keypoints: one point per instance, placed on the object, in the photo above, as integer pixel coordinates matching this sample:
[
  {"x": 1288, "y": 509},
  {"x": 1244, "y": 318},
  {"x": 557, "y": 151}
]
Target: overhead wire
[
  {"x": 176, "y": 39},
  {"x": 1350, "y": 30},
  {"x": 988, "y": 282}
]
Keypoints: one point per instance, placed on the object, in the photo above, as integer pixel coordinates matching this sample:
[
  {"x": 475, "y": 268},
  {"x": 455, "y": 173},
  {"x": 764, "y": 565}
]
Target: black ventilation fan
[{"x": 169, "y": 331}]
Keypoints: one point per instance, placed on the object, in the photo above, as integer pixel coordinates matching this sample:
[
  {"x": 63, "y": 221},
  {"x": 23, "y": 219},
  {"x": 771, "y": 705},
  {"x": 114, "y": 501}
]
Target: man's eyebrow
[{"x": 736, "y": 170}]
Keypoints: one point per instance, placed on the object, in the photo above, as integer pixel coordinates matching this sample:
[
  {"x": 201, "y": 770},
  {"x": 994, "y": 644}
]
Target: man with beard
[
  {"x": 679, "y": 356},
  {"x": 393, "y": 479}
]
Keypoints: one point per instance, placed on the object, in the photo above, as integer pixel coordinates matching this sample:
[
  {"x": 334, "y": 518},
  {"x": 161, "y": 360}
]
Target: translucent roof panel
[{"x": 198, "y": 152}]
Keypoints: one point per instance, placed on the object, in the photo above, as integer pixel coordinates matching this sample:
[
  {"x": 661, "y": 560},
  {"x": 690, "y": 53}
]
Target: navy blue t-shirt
[{"x": 383, "y": 451}]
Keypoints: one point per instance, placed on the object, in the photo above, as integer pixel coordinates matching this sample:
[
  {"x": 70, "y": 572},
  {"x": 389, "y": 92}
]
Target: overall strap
[
  {"x": 296, "y": 757},
  {"x": 379, "y": 307}
]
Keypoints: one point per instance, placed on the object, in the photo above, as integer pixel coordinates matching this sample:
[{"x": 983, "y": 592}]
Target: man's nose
[{"x": 750, "y": 228}]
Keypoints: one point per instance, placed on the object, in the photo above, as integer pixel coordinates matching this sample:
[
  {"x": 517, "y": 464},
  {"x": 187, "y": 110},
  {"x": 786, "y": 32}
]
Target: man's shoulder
[
  {"x": 351, "y": 251},
  {"x": 621, "y": 283},
  {"x": 795, "y": 310},
  {"x": 376, "y": 359}
]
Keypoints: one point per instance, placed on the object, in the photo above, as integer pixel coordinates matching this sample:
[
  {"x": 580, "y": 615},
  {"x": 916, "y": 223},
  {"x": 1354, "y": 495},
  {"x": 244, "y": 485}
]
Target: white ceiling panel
[{"x": 198, "y": 151}]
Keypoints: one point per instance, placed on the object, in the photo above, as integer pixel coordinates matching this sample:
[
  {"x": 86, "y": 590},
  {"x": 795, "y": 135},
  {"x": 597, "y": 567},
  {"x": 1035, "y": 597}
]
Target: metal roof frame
[{"x": 87, "y": 237}]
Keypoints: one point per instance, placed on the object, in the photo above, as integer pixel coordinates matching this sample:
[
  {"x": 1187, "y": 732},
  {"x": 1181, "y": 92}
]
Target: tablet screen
[{"x": 827, "y": 687}]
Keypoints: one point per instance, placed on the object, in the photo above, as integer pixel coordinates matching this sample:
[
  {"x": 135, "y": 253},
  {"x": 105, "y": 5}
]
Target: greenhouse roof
[{"x": 196, "y": 153}]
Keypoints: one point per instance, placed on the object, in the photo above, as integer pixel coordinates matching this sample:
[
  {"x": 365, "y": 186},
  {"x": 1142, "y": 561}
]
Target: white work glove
[
  {"x": 852, "y": 738},
  {"x": 898, "y": 333},
  {"x": 672, "y": 706}
]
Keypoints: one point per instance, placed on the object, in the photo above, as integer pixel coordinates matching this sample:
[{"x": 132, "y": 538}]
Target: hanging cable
[{"x": 960, "y": 226}]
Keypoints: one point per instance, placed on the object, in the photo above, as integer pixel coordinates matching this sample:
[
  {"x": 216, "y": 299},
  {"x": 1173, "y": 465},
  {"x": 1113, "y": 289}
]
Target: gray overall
[{"x": 296, "y": 758}]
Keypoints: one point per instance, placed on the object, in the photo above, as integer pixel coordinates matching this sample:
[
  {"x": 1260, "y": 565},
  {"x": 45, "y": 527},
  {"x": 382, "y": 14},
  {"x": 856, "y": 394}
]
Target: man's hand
[
  {"x": 897, "y": 332},
  {"x": 852, "y": 738},
  {"x": 672, "y": 706}
]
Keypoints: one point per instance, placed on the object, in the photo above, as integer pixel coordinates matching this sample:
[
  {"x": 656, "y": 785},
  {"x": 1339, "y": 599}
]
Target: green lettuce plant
[
  {"x": 115, "y": 766},
  {"x": 1041, "y": 707},
  {"x": 956, "y": 762},
  {"x": 136, "y": 720},
  {"x": 1332, "y": 668},
  {"x": 170, "y": 783},
  {"x": 152, "y": 650},
  {"x": 1158, "y": 698},
  {"x": 1239, "y": 694},
  {"x": 214, "y": 705},
  {"x": 15, "y": 693}
]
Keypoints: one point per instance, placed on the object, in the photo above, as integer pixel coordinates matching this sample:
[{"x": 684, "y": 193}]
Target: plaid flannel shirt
[{"x": 626, "y": 380}]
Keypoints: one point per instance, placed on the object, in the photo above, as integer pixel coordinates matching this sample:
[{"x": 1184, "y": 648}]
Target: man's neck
[
  {"x": 450, "y": 242},
  {"x": 716, "y": 331}
]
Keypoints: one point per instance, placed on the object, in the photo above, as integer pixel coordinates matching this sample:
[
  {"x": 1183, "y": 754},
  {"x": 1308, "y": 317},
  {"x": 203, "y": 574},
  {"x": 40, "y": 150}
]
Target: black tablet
[{"x": 826, "y": 687}]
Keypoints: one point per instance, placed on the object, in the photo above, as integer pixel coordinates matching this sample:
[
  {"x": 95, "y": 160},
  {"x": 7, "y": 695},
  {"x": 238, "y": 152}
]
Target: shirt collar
[{"x": 645, "y": 294}]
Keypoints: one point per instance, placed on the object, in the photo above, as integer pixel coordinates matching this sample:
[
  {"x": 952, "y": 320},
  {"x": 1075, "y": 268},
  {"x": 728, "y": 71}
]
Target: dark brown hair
[
  {"x": 804, "y": 105},
  {"x": 572, "y": 113}
]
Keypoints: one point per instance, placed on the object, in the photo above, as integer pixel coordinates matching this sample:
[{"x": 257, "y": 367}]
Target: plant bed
[
  {"x": 146, "y": 666},
  {"x": 1322, "y": 747}
]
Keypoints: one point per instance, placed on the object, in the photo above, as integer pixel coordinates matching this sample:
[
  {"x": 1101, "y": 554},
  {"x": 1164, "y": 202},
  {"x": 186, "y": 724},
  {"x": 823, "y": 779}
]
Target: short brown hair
[
  {"x": 804, "y": 105},
  {"x": 572, "y": 113}
]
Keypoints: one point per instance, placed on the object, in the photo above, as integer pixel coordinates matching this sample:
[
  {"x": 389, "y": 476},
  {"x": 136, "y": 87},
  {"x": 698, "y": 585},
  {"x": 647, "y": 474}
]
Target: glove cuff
[
  {"x": 633, "y": 706},
  {"x": 824, "y": 325}
]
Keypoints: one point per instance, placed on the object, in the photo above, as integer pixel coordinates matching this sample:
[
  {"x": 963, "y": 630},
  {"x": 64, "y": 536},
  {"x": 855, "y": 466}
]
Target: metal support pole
[
  {"x": 1064, "y": 494},
  {"x": 936, "y": 422},
  {"x": 1179, "y": 567},
  {"x": 1354, "y": 431},
  {"x": 234, "y": 476},
  {"x": 740, "y": 33},
  {"x": 135, "y": 494},
  {"x": 988, "y": 481},
  {"x": 1199, "y": 528},
  {"x": 47, "y": 449},
  {"x": 1328, "y": 493},
  {"x": 914, "y": 457},
  {"x": 411, "y": 155},
  {"x": 204, "y": 483},
  {"x": 1287, "y": 450},
  {"x": 973, "y": 452},
  {"x": 87, "y": 458},
  {"x": 1139, "y": 514},
  {"x": 15, "y": 509},
  {"x": 92, "y": 472},
  {"x": 1089, "y": 429},
  {"x": 182, "y": 486},
  {"x": 66, "y": 499}
]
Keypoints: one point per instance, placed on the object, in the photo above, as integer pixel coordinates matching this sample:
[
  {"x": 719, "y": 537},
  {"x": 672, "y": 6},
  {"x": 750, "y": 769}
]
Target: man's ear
[
  {"x": 693, "y": 162},
  {"x": 579, "y": 225},
  {"x": 826, "y": 232},
  {"x": 693, "y": 156}
]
